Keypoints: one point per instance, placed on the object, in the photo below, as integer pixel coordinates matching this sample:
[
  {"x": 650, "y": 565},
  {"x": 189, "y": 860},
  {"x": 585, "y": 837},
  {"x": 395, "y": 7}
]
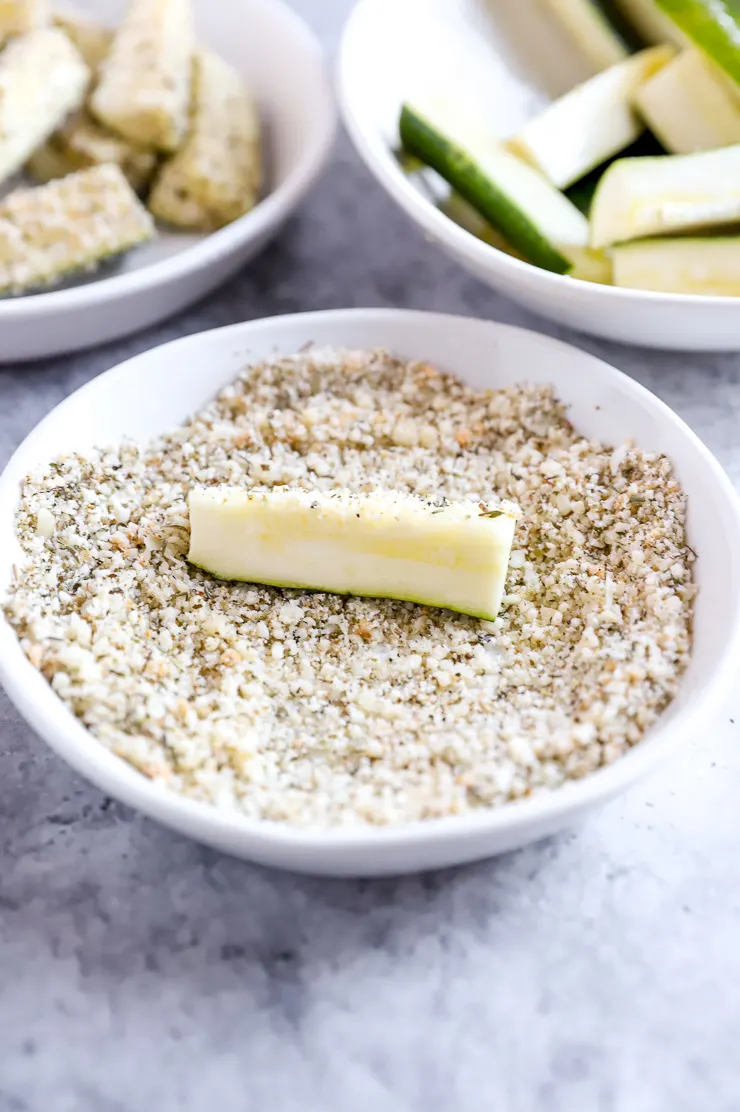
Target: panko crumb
[{"x": 322, "y": 710}]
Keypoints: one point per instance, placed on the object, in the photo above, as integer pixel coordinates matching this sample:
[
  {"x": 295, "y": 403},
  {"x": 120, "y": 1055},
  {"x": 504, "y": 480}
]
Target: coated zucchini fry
[
  {"x": 42, "y": 79},
  {"x": 92, "y": 39},
  {"x": 215, "y": 177},
  {"x": 74, "y": 224},
  {"x": 48, "y": 163},
  {"x": 144, "y": 88},
  {"x": 19, "y": 16},
  {"x": 81, "y": 141}
]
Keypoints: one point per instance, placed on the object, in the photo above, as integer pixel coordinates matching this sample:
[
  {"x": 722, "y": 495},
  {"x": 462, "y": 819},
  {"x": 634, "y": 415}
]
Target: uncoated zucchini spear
[
  {"x": 74, "y": 224},
  {"x": 591, "y": 123},
  {"x": 678, "y": 193},
  {"x": 380, "y": 545},
  {"x": 19, "y": 16},
  {"x": 689, "y": 105},
  {"x": 708, "y": 266},
  {"x": 215, "y": 177},
  {"x": 144, "y": 88},
  {"x": 592, "y": 31},
  {"x": 42, "y": 79}
]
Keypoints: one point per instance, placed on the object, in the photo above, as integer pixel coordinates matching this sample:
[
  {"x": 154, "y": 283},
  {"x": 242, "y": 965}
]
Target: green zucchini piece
[
  {"x": 452, "y": 204},
  {"x": 380, "y": 545},
  {"x": 591, "y": 123},
  {"x": 688, "y": 104},
  {"x": 688, "y": 265},
  {"x": 713, "y": 26},
  {"x": 534, "y": 217},
  {"x": 597, "y": 28},
  {"x": 586, "y": 263},
  {"x": 464, "y": 215},
  {"x": 640, "y": 197}
]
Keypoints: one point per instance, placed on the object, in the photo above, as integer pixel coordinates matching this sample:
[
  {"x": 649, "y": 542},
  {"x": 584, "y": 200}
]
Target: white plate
[
  {"x": 508, "y": 59},
  {"x": 178, "y": 378},
  {"x": 282, "y": 60}
]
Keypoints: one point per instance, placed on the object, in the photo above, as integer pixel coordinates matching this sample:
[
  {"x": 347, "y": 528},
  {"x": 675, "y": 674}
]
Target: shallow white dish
[
  {"x": 178, "y": 378},
  {"x": 282, "y": 60},
  {"x": 509, "y": 60}
]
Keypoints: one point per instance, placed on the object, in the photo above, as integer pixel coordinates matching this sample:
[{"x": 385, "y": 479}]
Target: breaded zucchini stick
[
  {"x": 42, "y": 79},
  {"x": 91, "y": 38},
  {"x": 48, "y": 163},
  {"x": 51, "y": 231},
  {"x": 82, "y": 141},
  {"x": 19, "y": 16},
  {"x": 215, "y": 177},
  {"x": 144, "y": 87}
]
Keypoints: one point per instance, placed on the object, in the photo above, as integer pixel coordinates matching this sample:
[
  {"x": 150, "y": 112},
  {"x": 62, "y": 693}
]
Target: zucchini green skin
[
  {"x": 713, "y": 26},
  {"x": 465, "y": 176}
]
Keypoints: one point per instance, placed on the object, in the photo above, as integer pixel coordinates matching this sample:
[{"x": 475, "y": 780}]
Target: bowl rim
[
  {"x": 210, "y": 248},
  {"x": 55, "y": 724},
  {"x": 440, "y": 226}
]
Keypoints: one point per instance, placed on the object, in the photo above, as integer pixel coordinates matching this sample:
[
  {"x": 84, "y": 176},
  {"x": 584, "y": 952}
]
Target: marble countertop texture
[{"x": 597, "y": 972}]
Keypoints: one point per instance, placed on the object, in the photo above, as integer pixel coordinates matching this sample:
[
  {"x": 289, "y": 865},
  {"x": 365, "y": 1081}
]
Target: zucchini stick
[
  {"x": 592, "y": 31},
  {"x": 144, "y": 87},
  {"x": 591, "y": 123},
  {"x": 19, "y": 16},
  {"x": 688, "y": 105},
  {"x": 83, "y": 142},
  {"x": 381, "y": 545},
  {"x": 532, "y": 215},
  {"x": 639, "y": 197},
  {"x": 74, "y": 224},
  {"x": 713, "y": 26},
  {"x": 42, "y": 79},
  {"x": 697, "y": 266},
  {"x": 215, "y": 177},
  {"x": 91, "y": 38}
]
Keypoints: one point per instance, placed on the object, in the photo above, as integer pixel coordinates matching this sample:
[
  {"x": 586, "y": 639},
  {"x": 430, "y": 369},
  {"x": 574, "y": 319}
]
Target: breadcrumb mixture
[{"x": 322, "y": 710}]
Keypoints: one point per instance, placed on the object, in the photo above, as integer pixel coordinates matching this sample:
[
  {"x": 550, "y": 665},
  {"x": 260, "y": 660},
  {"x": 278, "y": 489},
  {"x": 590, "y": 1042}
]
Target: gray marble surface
[{"x": 598, "y": 972}]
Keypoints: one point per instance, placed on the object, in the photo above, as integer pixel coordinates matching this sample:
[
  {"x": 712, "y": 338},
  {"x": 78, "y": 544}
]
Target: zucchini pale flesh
[
  {"x": 591, "y": 123},
  {"x": 689, "y": 106},
  {"x": 640, "y": 197},
  {"x": 596, "y": 29},
  {"x": 381, "y": 545},
  {"x": 688, "y": 265}
]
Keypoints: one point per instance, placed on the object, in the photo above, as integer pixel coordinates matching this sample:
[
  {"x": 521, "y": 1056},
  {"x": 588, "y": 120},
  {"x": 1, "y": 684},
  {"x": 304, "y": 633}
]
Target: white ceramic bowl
[
  {"x": 509, "y": 59},
  {"x": 282, "y": 60},
  {"x": 178, "y": 378}
]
